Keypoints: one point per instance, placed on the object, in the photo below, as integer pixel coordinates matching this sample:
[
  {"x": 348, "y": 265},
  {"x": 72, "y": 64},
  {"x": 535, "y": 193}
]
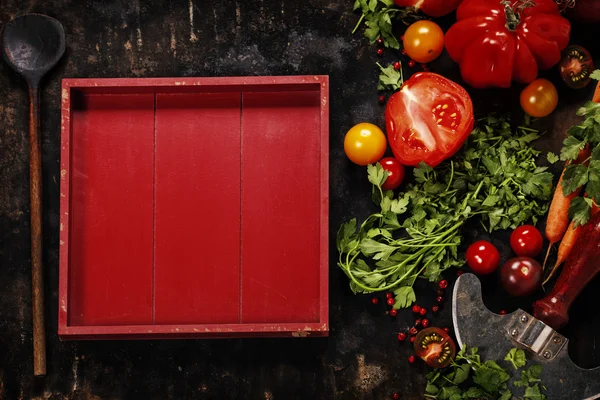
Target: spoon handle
[{"x": 35, "y": 188}]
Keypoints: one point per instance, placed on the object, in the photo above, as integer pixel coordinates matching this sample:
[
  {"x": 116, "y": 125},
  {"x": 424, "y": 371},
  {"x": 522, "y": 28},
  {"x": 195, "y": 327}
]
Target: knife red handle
[{"x": 580, "y": 268}]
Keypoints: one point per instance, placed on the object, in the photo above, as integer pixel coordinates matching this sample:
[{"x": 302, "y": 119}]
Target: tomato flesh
[
  {"x": 521, "y": 276},
  {"x": 395, "y": 172},
  {"x": 428, "y": 119},
  {"x": 483, "y": 257},
  {"x": 526, "y": 241},
  {"x": 435, "y": 347}
]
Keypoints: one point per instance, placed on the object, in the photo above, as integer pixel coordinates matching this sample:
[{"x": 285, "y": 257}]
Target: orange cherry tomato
[
  {"x": 365, "y": 143},
  {"x": 539, "y": 98},
  {"x": 424, "y": 41}
]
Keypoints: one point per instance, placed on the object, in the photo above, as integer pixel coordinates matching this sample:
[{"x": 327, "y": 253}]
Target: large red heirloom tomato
[
  {"x": 428, "y": 119},
  {"x": 433, "y": 8},
  {"x": 497, "y": 43}
]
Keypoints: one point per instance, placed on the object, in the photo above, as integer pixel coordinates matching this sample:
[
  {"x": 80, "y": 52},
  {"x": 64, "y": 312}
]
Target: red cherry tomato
[
  {"x": 434, "y": 346},
  {"x": 521, "y": 276},
  {"x": 483, "y": 257},
  {"x": 526, "y": 241},
  {"x": 428, "y": 119},
  {"x": 433, "y": 8},
  {"x": 395, "y": 172}
]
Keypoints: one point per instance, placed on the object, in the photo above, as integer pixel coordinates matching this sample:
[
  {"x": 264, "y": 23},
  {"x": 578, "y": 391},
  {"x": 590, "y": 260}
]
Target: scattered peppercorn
[
  {"x": 443, "y": 284},
  {"x": 411, "y": 63},
  {"x": 396, "y": 396},
  {"x": 411, "y": 359},
  {"x": 380, "y": 52},
  {"x": 502, "y": 312},
  {"x": 402, "y": 38},
  {"x": 423, "y": 311},
  {"x": 418, "y": 322},
  {"x": 425, "y": 323},
  {"x": 440, "y": 292},
  {"x": 393, "y": 312},
  {"x": 397, "y": 65},
  {"x": 447, "y": 330},
  {"x": 374, "y": 300},
  {"x": 416, "y": 308},
  {"x": 413, "y": 331},
  {"x": 388, "y": 295},
  {"x": 380, "y": 41},
  {"x": 401, "y": 336},
  {"x": 391, "y": 301},
  {"x": 439, "y": 299},
  {"x": 435, "y": 308},
  {"x": 412, "y": 339},
  {"x": 404, "y": 52},
  {"x": 459, "y": 272},
  {"x": 381, "y": 101}
]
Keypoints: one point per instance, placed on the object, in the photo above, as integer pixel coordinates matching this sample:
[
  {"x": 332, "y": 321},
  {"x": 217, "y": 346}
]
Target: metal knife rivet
[
  {"x": 524, "y": 318},
  {"x": 557, "y": 340},
  {"x": 514, "y": 332},
  {"x": 546, "y": 354}
]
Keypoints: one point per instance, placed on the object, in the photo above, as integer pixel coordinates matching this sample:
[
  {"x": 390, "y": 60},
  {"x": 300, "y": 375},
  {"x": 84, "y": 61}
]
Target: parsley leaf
[
  {"x": 390, "y": 78},
  {"x": 517, "y": 358},
  {"x": 405, "y": 296},
  {"x": 595, "y": 75},
  {"x": 552, "y": 158},
  {"x": 534, "y": 393},
  {"x": 571, "y": 148},
  {"x": 580, "y": 210},
  {"x": 576, "y": 175}
]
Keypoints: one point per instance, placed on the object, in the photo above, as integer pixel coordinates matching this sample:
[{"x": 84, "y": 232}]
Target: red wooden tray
[{"x": 194, "y": 207}]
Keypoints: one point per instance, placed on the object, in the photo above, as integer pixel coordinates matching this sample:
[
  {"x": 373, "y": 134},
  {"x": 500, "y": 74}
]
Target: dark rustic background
[{"x": 362, "y": 358}]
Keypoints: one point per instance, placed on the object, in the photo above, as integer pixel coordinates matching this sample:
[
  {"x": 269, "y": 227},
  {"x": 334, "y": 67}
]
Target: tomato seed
[
  {"x": 401, "y": 336},
  {"x": 425, "y": 323},
  {"x": 374, "y": 300},
  {"x": 390, "y": 301},
  {"x": 393, "y": 312},
  {"x": 443, "y": 284},
  {"x": 416, "y": 308},
  {"x": 423, "y": 311}
]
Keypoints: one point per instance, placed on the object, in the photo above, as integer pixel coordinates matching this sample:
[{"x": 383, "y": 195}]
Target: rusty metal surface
[{"x": 362, "y": 358}]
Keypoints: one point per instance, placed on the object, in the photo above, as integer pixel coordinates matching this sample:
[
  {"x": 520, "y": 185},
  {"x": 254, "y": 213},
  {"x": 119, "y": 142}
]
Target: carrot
[
  {"x": 596, "y": 96},
  {"x": 567, "y": 243},
  {"x": 558, "y": 214}
]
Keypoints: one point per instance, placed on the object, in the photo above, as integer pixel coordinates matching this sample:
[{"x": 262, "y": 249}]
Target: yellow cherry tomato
[
  {"x": 424, "y": 41},
  {"x": 539, "y": 98},
  {"x": 365, "y": 143}
]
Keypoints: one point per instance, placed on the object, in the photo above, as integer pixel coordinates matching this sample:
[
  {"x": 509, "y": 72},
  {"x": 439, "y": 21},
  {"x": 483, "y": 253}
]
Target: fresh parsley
[
  {"x": 378, "y": 16},
  {"x": 416, "y": 233},
  {"x": 469, "y": 377},
  {"x": 584, "y": 174},
  {"x": 390, "y": 79}
]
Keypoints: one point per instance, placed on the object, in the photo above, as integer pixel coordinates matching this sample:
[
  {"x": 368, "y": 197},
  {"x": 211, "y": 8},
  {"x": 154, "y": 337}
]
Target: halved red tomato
[
  {"x": 433, "y": 8},
  {"x": 435, "y": 347},
  {"x": 428, "y": 119}
]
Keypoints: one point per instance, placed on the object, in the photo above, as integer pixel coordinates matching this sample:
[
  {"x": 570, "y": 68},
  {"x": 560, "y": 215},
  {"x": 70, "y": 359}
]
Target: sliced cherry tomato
[
  {"x": 433, "y": 8},
  {"x": 428, "y": 119},
  {"x": 424, "y": 41},
  {"x": 539, "y": 98},
  {"x": 576, "y": 66},
  {"x": 395, "y": 172},
  {"x": 434, "y": 346},
  {"x": 526, "y": 241},
  {"x": 483, "y": 257},
  {"x": 365, "y": 143},
  {"x": 521, "y": 276}
]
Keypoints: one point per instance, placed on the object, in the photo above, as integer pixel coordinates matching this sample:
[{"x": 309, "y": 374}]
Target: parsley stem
[{"x": 358, "y": 23}]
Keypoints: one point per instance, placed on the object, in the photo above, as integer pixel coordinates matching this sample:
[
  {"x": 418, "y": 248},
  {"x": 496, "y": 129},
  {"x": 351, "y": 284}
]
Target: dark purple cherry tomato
[
  {"x": 521, "y": 276},
  {"x": 395, "y": 172},
  {"x": 576, "y": 66},
  {"x": 483, "y": 257},
  {"x": 526, "y": 241}
]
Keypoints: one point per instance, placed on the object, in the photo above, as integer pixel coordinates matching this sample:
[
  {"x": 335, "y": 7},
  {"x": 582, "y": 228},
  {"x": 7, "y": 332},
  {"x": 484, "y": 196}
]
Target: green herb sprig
[
  {"x": 416, "y": 233},
  {"x": 584, "y": 174},
  {"x": 378, "y": 15},
  {"x": 468, "y": 377}
]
